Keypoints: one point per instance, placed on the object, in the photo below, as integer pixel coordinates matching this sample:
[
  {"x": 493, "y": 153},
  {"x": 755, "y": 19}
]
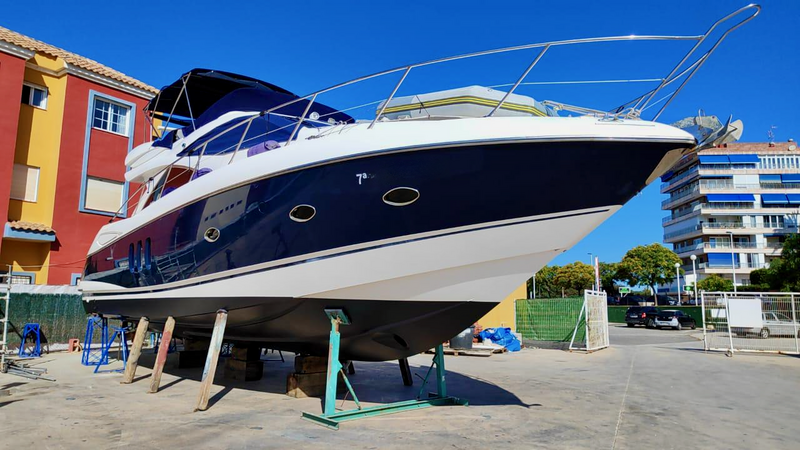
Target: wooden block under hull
[
  {"x": 301, "y": 385},
  {"x": 243, "y": 370},
  {"x": 310, "y": 364}
]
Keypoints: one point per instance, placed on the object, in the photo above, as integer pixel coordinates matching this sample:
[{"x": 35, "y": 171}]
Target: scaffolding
[{"x": 5, "y": 291}]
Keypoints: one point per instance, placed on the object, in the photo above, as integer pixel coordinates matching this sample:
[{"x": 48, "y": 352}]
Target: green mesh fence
[
  {"x": 61, "y": 316},
  {"x": 551, "y": 319}
]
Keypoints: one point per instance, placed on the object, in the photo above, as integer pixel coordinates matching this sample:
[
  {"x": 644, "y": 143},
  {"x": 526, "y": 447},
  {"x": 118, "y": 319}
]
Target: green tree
[
  {"x": 609, "y": 275},
  {"x": 649, "y": 265},
  {"x": 574, "y": 278},
  {"x": 788, "y": 270},
  {"x": 715, "y": 283},
  {"x": 545, "y": 283}
]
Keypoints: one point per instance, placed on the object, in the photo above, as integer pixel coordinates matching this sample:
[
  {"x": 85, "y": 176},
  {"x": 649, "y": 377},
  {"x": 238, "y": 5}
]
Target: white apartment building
[{"x": 732, "y": 207}]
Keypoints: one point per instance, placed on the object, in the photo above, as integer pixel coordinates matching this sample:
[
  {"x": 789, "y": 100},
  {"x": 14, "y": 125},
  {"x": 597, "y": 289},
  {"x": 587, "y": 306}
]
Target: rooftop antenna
[{"x": 771, "y": 134}]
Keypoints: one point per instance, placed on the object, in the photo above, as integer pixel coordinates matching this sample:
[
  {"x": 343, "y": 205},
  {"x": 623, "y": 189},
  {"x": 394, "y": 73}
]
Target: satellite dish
[{"x": 737, "y": 128}]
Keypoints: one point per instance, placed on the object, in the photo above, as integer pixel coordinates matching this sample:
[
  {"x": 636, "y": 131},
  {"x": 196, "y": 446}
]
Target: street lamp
[
  {"x": 678, "y": 279},
  {"x": 694, "y": 272},
  {"x": 733, "y": 262}
]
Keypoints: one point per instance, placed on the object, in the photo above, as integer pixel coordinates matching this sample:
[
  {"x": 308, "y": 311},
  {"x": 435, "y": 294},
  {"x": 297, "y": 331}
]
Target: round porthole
[
  {"x": 401, "y": 196},
  {"x": 302, "y": 213},
  {"x": 211, "y": 234}
]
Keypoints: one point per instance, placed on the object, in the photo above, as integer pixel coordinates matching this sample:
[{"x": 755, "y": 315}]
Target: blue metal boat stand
[
  {"x": 94, "y": 356},
  {"x": 331, "y": 418},
  {"x": 32, "y": 331},
  {"x": 123, "y": 344}
]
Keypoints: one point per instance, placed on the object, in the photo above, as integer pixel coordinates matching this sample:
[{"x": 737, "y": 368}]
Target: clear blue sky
[{"x": 304, "y": 46}]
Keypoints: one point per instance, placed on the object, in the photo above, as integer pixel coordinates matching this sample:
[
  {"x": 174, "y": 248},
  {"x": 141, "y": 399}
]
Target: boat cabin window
[
  {"x": 175, "y": 178},
  {"x": 262, "y": 129}
]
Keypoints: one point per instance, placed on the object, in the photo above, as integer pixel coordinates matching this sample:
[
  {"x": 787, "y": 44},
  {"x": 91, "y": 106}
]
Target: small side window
[
  {"x": 139, "y": 256},
  {"x": 148, "y": 255},
  {"x": 131, "y": 259}
]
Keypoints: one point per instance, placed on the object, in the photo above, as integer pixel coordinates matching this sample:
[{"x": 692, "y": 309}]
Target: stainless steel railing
[
  {"x": 634, "y": 112},
  {"x": 639, "y": 104}
]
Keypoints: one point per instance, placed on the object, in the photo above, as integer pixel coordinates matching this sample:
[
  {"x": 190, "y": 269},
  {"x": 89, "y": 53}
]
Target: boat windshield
[{"x": 225, "y": 137}]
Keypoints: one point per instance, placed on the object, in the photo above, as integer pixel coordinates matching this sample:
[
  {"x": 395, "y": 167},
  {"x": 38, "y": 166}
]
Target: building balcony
[
  {"x": 769, "y": 248},
  {"x": 714, "y": 186},
  {"x": 689, "y": 174},
  {"x": 732, "y": 209},
  {"x": 698, "y": 171},
  {"x": 737, "y": 228},
  {"x": 706, "y": 269}
]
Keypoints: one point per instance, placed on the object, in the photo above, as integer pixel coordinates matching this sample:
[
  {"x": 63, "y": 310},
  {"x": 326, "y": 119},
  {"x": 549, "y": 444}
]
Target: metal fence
[
  {"x": 595, "y": 312},
  {"x": 751, "y": 322},
  {"x": 57, "y": 309},
  {"x": 548, "y": 320}
]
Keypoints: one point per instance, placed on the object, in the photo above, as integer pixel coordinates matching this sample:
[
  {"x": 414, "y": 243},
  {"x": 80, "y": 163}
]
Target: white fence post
[
  {"x": 728, "y": 319},
  {"x": 703, "y": 312},
  {"x": 794, "y": 321}
]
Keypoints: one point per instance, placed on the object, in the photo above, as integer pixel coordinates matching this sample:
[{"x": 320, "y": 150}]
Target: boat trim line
[{"x": 334, "y": 253}]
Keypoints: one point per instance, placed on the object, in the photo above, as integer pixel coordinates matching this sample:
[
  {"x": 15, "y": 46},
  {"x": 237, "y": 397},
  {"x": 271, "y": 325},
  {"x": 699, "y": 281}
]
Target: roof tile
[
  {"x": 30, "y": 226},
  {"x": 84, "y": 63}
]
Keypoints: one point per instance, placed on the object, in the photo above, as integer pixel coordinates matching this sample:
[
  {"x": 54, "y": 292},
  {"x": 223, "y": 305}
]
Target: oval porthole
[
  {"x": 401, "y": 196},
  {"x": 302, "y": 213},
  {"x": 211, "y": 234}
]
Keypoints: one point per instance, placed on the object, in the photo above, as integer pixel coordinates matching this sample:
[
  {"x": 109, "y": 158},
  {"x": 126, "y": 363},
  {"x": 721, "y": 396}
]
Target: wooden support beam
[
  {"x": 211, "y": 360},
  {"x": 161, "y": 357},
  {"x": 136, "y": 351}
]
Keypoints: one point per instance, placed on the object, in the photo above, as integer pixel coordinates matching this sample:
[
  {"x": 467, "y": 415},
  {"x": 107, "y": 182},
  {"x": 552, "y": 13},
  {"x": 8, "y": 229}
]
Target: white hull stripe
[{"x": 335, "y": 253}]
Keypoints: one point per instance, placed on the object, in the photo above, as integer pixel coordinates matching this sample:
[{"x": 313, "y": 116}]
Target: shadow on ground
[{"x": 374, "y": 382}]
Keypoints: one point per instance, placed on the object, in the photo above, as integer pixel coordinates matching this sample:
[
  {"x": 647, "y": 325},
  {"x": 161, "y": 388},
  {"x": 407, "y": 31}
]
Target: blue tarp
[{"x": 502, "y": 336}]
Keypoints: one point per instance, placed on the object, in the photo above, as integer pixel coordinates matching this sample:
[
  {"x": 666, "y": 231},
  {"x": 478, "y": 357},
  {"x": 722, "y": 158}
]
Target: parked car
[
  {"x": 631, "y": 300},
  {"x": 674, "y": 319},
  {"x": 641, "y": 315},
  {"x": 666, "y": 300},
  {"x": 611, "y": 300},
  {"x": 772, "y": 324}
]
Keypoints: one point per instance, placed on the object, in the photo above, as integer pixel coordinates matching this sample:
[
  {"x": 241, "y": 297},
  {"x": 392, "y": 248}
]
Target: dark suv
[{"x": 641, "y": 315}]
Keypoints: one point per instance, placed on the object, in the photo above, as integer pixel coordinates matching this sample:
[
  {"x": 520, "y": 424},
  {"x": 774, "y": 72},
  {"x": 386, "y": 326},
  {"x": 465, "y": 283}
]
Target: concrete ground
[{"x": 651, "y": 389}]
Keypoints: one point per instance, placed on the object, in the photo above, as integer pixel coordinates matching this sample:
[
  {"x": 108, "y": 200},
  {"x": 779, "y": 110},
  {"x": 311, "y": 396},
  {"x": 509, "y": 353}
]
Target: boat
[{"x": 415, "y": 221}]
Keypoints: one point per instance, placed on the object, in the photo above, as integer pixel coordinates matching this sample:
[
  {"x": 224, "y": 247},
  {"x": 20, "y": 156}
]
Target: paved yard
[{"x": 652, "y": 389}]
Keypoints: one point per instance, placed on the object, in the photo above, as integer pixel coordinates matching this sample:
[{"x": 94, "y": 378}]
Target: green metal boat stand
[{"x": 331, "y": 418}]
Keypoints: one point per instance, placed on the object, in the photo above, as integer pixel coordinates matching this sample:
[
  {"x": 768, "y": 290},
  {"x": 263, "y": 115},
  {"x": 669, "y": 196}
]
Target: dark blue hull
[{"x": 458, "y": 186}]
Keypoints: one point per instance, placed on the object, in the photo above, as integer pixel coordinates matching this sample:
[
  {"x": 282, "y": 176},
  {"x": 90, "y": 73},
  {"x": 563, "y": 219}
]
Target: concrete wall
[{"x": 503, "y": 314}]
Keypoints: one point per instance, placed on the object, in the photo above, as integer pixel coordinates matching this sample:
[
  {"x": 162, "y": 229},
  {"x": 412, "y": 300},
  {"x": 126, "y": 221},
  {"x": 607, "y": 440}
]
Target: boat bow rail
[{"x": 681, "y": 73}]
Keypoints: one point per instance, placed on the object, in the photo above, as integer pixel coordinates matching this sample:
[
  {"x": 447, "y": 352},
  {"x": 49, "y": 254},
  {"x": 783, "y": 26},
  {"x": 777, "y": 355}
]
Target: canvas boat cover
[{"x": 471, "y": 101}]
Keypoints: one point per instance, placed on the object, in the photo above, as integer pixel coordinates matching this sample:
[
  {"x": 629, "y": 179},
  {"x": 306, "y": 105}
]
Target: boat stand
[
  {"x": 331, "y": 418},
  {"x": 123, "y": 346}
]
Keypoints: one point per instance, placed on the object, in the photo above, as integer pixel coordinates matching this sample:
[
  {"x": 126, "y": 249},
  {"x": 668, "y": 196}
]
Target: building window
[
  {"x": 110, "y": 116},
  {"x": 103, "y": 195},
  {"x": 34, "y": 95},
  {"x": 19, "y": 277},
  {"x": 25, "y": 183}
]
